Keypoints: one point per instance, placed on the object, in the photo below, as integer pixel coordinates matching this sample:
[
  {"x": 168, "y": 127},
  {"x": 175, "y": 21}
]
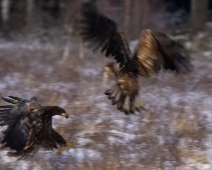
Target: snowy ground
[{"x": 174, "y": 133}]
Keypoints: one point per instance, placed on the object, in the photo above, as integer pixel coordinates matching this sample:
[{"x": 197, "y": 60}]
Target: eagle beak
[{"x": 65, "y": 115}]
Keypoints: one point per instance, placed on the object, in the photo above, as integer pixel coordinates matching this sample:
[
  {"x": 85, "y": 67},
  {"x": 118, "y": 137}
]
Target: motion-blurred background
[
  {"x": 41, "y": 56},
  {"x": 29, "y": 16}
]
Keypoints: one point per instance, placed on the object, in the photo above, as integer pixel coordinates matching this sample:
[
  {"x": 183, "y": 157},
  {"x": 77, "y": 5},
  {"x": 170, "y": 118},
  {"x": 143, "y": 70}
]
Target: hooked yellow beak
[{"x": 64, "y": 115}]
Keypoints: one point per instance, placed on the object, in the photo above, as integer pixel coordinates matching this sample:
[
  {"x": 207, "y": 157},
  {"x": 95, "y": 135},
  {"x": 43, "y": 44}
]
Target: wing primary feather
[
  {"x": 115, "y": 50},
  {"x": 4, "y": 116},
  {"x": 9, "y": 100},
  {"x": 156, "y": 50},
  {"x": 103, "y": 33},
  {"x": 2, "y": 124},
  {"x": 16, "y": 98},
  {"x": 110, "y": 48},
  {"x": 5, "y": 110},
  {"x": 104, "y": 47},
  {"x": 1, "y": 119},
  {"x": 7, "y": 106}
]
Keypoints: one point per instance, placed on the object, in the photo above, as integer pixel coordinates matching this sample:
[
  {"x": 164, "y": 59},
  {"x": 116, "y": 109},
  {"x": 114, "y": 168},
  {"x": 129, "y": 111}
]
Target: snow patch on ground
[{"x": 80, "y": 154}]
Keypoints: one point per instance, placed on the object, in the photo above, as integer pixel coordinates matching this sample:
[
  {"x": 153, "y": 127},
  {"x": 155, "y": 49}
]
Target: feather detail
[{"x": 29, "y": 126}]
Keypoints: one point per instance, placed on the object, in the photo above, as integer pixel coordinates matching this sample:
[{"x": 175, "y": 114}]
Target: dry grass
[{"x": 170, "y": 135}]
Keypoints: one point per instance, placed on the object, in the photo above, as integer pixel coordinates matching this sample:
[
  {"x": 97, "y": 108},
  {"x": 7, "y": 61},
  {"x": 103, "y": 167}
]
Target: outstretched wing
[
  {"x": 20, "y": 117},
  {"x": 155, "y": 51},
  {"x": 104, "y": 33}
]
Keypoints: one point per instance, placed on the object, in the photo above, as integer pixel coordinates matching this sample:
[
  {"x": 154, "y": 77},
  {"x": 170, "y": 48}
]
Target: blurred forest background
[
  {"x": 44, "y": 17},
  {"x": 41, "y": 56}
]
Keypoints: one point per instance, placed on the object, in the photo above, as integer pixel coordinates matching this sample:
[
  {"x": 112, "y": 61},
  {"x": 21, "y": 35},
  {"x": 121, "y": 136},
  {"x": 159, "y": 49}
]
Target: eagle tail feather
[{"x": 125, "y": 103}]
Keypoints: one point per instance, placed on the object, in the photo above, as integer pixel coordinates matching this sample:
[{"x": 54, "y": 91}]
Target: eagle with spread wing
[
  {"x": 154, "y": 51},
  {"x": 30, "y": 126}
]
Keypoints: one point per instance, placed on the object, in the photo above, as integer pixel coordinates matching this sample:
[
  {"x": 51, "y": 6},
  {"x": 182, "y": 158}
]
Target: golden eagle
[
  {"x": 30, "y": 126},
  {"x": 154, "y": 51}
]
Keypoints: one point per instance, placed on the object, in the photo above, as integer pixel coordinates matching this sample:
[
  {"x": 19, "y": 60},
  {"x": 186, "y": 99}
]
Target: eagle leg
[{"x": 68, "y": 146}]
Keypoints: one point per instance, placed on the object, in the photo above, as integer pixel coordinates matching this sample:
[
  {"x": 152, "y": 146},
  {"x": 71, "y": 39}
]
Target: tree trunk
[
  {"x": 29, "y": 12},
  {"x": 127, "y": 15},
  {"x": 140, "y": 12},
  {"x": 5, "y": 10},
  {"x": 199, "y": 9},
  {"x": 68, "y": 44},
  {"x": 5, "y": 6}
]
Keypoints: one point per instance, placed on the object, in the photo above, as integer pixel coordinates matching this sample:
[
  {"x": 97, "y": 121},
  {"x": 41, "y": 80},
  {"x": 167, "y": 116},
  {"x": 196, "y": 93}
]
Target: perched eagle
[
  {"x": 154, "y": 51},
  {"x": 30, "y": 126}
]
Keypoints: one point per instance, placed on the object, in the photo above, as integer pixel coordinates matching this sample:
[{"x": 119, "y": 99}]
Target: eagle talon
[
  {"x": 69, "y": 144},
  {"x": 12, "y": 154},
  {"x": 60, "y": 150}
]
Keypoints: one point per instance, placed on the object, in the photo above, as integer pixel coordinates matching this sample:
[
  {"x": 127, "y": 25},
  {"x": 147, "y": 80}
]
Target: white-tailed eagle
[
  {"x": 30, "y": 126},
  {"x": 154, "y": 51}
]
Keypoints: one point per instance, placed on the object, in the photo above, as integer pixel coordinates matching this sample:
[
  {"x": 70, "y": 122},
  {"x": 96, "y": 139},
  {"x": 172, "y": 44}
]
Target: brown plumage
[
  {"x": 154, "y": 52},
  {"x": 29, "y": 126}
]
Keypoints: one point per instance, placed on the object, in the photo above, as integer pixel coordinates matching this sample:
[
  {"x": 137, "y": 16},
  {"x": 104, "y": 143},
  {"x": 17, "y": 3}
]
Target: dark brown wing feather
[
  {"x": 104, "y": 33},
  {"x": 18, "y": 119},
  {"x": 173, "y": 53},
  {"x": 48, "y": 139},
  {"x": 155, "y": 51}
]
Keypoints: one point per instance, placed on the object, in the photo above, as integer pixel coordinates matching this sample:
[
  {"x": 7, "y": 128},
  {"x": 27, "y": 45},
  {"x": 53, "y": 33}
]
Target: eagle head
[
  {"x": 60, "y": 111},
  {"x": 56, "y": 110}
]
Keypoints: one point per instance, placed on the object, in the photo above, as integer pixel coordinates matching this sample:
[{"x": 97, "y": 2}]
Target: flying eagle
[
  {"x": 154, "y": 51},
  {"x": 30, "y": 126}
]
